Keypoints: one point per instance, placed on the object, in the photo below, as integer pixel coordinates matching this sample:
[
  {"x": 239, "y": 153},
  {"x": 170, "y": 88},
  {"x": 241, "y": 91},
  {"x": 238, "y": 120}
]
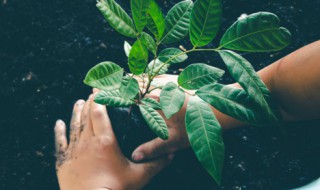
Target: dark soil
[{"x": 46, "y": 48}]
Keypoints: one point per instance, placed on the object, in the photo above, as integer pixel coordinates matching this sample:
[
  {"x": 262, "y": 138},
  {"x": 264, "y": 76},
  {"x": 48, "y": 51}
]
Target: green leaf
[
  {"x": 171, "y": 99},
  {"x": 149, "y": 42},
  {"x": 243, "y": 72},
  {"x": 198, "y": 75},
  {"x": 155, "y": 66},
  {"x": 177, "y": 22},
  {"x": 117, "y": 18},
  {"x": 205, "y": 136},
  {"x": 172, "y": 55},
  {"x": 155, "y": 121},
  {"x": 205, "y": 21},
  {"x": 155, "y": 20},
  {"x": 112, "y": 98},
  {"x": 234, "y": 102},
  {"x": 127, "y": 48},
  {"x": 139, "y": 10},
  {"x": 259, "y": 32},
  {"x": 129, "y": 87},
  {"x": 138, "y": 57},
  {"x": 151, "y": 103},
  {"x": 104, "y": 76}
]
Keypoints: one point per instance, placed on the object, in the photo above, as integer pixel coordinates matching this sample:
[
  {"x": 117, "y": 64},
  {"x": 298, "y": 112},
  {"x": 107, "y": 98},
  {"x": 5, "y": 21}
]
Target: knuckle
[
  {"x": 97, "y": 113},
  {"x": 75, "y": 124},
  {"x": 105, "y": 141},
  {"x": 60, "y": 139}
]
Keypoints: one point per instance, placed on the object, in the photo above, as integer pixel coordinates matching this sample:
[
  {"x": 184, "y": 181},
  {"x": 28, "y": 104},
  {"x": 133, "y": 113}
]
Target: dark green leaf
[
  {"x": 155, "y": 20},
  {"x": 117, "y": 17},
  {"x": 205, "y": 21},
  {"x": 155, "y": 66},
  {"x": 151, "y": 103},
  {"x": 104, "y": 76},
  {"x": 112, "y": 98},
  {"x": 139, "y": 10},
  {"x": 243, "y": 72},
  {"x": 127, "y": 48},
  {"x": 155, "y": 121},
  {"x": 149, "y": 42},
  {"x": 177, "y": 22},
  {"x": 259, "y": 32},
  {"x": 129, "y": 87},
  {"x": 171, "y": 99},
  {"x": 198, "y": 75},
  {"x": 172, "y": 55},
  {"x": 234, "y": 102},
  {"x": 205, "y": 136},
  {"x": 138, "y": 57}
]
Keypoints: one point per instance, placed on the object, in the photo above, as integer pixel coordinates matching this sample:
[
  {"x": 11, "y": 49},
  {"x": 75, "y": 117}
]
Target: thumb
[
  {"x": 144, "y": 172},
  {"x": 153, "y": 149}
]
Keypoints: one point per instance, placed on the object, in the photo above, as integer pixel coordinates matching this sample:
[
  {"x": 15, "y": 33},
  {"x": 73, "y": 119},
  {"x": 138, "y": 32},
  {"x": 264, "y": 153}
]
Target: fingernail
[
  {"x": 59, "y": 122},
  {"x": 80, "y": 102},
  {"x": 138, "y": 156}
]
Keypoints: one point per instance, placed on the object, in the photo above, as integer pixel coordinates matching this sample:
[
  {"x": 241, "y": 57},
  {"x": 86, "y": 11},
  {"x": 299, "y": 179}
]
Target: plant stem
[
  {"x": 151, "y": 77},
  {"x": 150, "y": 74}
]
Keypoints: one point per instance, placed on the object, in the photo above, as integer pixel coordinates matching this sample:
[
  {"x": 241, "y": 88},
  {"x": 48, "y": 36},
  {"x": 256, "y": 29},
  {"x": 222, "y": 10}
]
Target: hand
[
  {"x": 178, "y": 138},
  {"x": 92, "y": 159}
]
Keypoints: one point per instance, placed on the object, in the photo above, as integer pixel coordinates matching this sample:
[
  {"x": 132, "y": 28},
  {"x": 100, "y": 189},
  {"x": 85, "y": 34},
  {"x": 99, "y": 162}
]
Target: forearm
[{"x": 294, "y": 83}]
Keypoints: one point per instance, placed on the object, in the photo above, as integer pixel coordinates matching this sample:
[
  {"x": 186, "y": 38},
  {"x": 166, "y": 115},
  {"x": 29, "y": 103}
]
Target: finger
[
  {"x": 76, "y": 122},
  {"x": 95, "y": 90},
  {"x": 153, "y": 149},
  {"x": 86, "y": 127},
  {"x": 60, "y": 137},
  {"x": 144, "y": 172},
  {"x": 100, "y": 120}
]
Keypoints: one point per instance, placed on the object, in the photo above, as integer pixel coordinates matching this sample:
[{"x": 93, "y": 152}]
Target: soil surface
[{"x": 46, "y": 48}]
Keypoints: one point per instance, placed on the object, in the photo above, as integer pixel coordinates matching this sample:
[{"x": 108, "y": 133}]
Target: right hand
[{"x": 178, "y": 138}]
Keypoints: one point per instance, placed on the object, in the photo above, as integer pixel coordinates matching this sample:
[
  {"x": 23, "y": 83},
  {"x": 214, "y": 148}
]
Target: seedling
[{"x": 258, "y": 32}]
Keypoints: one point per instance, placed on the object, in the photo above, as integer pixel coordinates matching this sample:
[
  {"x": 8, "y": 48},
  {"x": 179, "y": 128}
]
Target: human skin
[
  {"x": 294, "y": 83},
  {"x": 93, "y": 160}
]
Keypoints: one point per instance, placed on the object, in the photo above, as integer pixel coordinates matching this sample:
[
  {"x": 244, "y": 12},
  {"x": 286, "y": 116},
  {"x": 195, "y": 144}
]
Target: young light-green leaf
[
  {"x": 155, "y": 65},
  {"x": 234, "y": 102},
  {"x": 243, "y": 72},
  {"x": 205, "y": 21},
  {"x": 171, "y": 99},
  {"x": 151, "y": 103},
  {"x": 138, "y": 57},
  {"x": 127, "y": 48},
  {"x": 155, "y": 20},
  {"x": 112, "y": 98},
  {"x": 205, "y": 136},
  {"x": 149, "y": 42},
  {"x": 129, "y": 87},
  {"x": 139, "y": 10},
  {"x": 258, "y": 32},
  {"x": 177, "y": 22},
  {"x": 155, "y": 122},
  {"x": 104, "y": 76},
  {"x": 172, "y": 55},
  {"x": 198, "y": 75},
  {"x": 117, "y": 18}
]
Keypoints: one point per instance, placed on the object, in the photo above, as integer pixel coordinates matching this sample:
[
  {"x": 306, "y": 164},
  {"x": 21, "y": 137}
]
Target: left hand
[{"x": 93, "y": 160}]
